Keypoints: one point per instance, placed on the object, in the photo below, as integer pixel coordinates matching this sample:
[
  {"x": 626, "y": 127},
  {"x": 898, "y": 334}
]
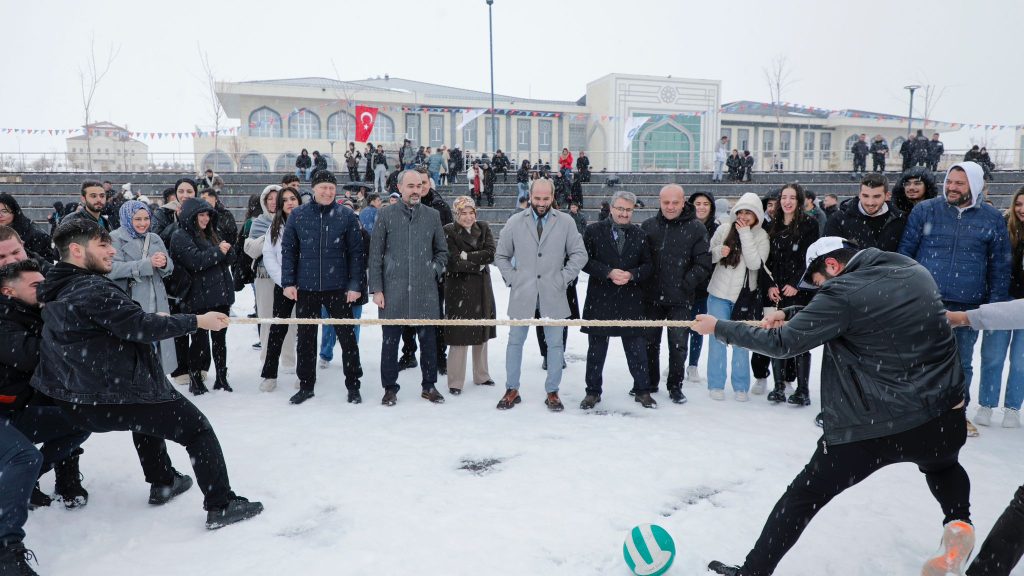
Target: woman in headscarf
[{"x": 140, "y": 265}]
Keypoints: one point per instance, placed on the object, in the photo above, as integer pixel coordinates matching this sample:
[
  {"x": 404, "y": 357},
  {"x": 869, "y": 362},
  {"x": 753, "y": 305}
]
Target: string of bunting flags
[{"x": 744, "y": 106}]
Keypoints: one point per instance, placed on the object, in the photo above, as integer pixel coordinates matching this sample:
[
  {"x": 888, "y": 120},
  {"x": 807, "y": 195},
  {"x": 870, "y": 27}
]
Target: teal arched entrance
[{"x": 667, "y": 144}]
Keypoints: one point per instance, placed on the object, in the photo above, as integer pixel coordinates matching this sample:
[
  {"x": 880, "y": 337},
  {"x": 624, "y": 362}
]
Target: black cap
[{"x": 323, "y": 176}]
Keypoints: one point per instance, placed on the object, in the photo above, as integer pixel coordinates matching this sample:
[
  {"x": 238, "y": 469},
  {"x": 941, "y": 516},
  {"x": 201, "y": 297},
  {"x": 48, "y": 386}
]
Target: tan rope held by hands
[{"x": 471, "y": 322}]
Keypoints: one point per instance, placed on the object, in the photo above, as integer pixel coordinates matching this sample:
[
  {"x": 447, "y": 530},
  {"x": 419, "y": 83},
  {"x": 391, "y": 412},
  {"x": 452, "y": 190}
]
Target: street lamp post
[
  {"x": 910, "y": 116},
  {"x": 490, "y": 32}
]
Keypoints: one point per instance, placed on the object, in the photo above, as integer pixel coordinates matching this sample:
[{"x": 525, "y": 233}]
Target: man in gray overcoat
[
  {"x": 540, "y": 252},
  {"x": 408, "y": 253}
]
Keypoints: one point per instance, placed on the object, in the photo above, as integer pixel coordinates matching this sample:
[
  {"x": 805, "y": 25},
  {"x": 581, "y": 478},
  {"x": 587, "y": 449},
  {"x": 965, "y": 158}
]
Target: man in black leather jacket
[{"x": 893, "y": 392}]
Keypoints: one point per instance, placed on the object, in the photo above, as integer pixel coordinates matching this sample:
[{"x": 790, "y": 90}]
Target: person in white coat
[
  {"x": 721, "y": 155},
  {"x": 263, "y": 284},
  {"x": 540, "y": 251},
  {"x": 283, "y": 307},
  {"x": 738, "y": 250}
]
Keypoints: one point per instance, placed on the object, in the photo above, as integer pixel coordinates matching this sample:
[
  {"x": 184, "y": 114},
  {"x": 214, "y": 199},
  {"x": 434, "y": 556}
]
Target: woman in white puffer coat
[{"x": 738, "y": 249}]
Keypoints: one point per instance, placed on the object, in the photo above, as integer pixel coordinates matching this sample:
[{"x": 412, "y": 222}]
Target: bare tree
[
  {"x": 90, "y": 79},
  {"x": 931, "y": 94},
  {"x": 216, "y": 110},
  {"x": 777, "y": 76}
]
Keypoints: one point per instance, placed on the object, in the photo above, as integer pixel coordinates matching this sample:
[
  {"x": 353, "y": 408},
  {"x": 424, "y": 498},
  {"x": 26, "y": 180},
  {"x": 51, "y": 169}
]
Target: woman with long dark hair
[
  {"x": 791, "y": 232},
  {"x": 196, "y": 247},
  {"x": 996, "y": 343},
  {"x": 523, "y": 182},
  {"x": 35, "y": 240},
  {"x": 282, "y": 306}
]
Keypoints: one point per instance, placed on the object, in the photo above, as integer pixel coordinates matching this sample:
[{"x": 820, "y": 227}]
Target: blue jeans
[
  {"x": 524, "y": 191},
  {"x": 328, "y": 337},
  {"x": 965, "y": 340},
  {"x": 514, "y": 356},
  {"x": 436, "y": 177},
  {"x": 389, "y": 356},
  {"x": 722, "y": 309},
  {"x": 994, "y": 345},
  {"x": 718, "y": 170},
  {"x": 304, "y": 174},
  {"x": 20, "y": 463},
  {"x": 696, "y": 340}
]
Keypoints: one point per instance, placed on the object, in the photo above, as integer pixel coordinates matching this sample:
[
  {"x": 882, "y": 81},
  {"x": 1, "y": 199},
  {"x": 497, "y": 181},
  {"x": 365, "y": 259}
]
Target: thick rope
[{"x": 471, "y": 322}]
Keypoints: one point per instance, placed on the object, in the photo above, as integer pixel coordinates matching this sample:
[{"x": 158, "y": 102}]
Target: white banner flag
[
  {"x": 633, "y": 126},
  {"x": 470, "y": 115}
]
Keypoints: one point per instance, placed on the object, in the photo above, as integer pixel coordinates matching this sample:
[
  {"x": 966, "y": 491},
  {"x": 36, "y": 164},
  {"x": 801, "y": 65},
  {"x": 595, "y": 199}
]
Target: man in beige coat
[{"x": 539, "y": 252}]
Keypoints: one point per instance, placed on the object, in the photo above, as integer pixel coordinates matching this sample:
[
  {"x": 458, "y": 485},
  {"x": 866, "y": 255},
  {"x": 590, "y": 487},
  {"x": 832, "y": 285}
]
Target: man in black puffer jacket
[
  {"x": 869, "y": 220},
  {"x": 679, "y": 244},
  {"x": 892, "y": 392},
  {"x": 98, "y": 364}
]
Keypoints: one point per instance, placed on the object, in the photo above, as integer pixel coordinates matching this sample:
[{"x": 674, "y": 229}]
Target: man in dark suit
[{"x": 619, "y": 260}]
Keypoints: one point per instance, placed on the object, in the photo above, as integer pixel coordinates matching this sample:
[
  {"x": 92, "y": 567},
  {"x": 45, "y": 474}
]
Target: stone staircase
[{"x": 36, "y": 192}]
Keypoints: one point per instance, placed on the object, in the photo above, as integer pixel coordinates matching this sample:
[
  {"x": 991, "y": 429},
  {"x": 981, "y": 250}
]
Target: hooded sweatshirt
[
  {"x": 966, "y": 248},
  {"x": 727, "y": 281},
  {"x": 254, "y": 243}
]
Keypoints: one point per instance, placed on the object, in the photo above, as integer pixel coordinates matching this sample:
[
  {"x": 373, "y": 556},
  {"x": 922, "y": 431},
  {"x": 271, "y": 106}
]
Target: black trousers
[
  {"x": 760, "y": 365},
  {"x": 353, "y": 173},
  {"x": 860, "y": 164},
  {"x": 933, "y": 446},
  {"x": 678, "y": 345},
  {"x": 308, "y": 305},
  {"x": 151, "y": 424},
  {"x": 180, "y": 345},
  {"x": 878, "y": 164},
  {"x": 199, "y": 358},
  {"x": 409, "y": 334},
  {"x": 574, "y": 313},
  {"x": 636, "y": 359},
  {"x": 1004, "y": 546}
]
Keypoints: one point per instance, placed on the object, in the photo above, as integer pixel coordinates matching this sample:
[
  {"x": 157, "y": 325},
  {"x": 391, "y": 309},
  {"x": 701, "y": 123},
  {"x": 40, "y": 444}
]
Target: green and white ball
[{"x": 649, "y": 550}]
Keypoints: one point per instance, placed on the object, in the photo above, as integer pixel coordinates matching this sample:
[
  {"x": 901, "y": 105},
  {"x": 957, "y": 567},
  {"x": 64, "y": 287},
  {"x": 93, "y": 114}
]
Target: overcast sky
[{"x": 841, "y": 54}]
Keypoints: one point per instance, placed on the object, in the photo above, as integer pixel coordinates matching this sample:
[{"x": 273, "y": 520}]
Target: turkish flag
[{"x": 365, "y": 117}]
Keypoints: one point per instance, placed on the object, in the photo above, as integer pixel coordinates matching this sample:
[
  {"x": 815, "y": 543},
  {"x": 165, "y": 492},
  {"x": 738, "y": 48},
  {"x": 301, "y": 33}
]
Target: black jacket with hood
[
  {"x": 711, "y": 225},
  {"x": 97, "y": 343},
  {"x": 899, "y": 194},
  {"x": 890, "y": 362},
  {"x": 212, "y": 285},
  {"x": 35, "y": 240},
  {"x": 682, "y": 262}
]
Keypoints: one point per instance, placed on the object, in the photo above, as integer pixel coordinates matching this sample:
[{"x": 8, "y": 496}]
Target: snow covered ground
[{"x": 353, "y": 490}]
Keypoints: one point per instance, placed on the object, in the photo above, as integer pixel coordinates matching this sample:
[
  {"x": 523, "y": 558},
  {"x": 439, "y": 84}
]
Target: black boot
[
  {"x": 68, "y": 483},
  {"x": 719, "y": 568},
  {"x": 407, "y": 361},
  {"x": 14, "y": 560},
  {"x": 236, "y": 510},
  {"x": 38, "y": 499},
  {"x": 161, "y": 494},
  {"x": 802, "y": 396},
  {"x": 221, "y": 383},
  {"x": 195, "y": 383}
]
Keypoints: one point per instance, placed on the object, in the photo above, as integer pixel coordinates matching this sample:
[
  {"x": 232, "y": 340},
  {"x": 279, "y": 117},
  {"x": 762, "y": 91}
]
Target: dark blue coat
[
  {"x": 967, "y": 253},
  {"x": 97, "y": 343},
  {"x": 605, "y": 299},
  {"x": 322, "y": 249}
]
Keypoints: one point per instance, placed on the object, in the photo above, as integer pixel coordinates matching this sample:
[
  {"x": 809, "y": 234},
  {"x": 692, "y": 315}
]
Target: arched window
[
  {"x": 341, "y": 127},
  {"x": 253, "y": 162},
  {"x": 285, "y": 162},
  {"x": 896, "y": 143},
  {"x": 383, "y": 130},
  {"x": 218, "y": 161},
  {"x": 264, "y": 123},
  {"x": 849, "y": 144},
  {"x": 664, "y": 145},
  {"x": 303, "y": 124}
]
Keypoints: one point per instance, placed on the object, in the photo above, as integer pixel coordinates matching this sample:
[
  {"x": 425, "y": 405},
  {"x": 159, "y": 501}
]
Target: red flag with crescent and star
[{"x": 365, "y": 117}]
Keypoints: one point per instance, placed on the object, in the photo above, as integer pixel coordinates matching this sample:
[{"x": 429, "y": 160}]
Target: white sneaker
[
  {"x": 323, "y": 363},
  {"x": 288, "y": 369},
  {"x": 1011, "y": 418},
  {"x": 983, "y": 417},
  {"x": 206, "y": 375},
  {"x": 181, "y": 380},
  {"x": 693, "y": 375},
  {"x": 717, "y": 394},
  {"x": 760, "y": 384},
  {"x": 790, "y": 388},
  {"x": 742, "y": 397},
  {"x": 268, "y": 385}
]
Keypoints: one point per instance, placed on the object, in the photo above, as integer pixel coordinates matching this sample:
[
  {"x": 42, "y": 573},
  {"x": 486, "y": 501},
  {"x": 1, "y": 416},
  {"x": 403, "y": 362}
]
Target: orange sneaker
[{"x": 957, "y": 544}]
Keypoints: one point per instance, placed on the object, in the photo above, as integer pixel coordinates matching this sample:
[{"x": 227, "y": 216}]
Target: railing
[{"x": 633, "y": 161}]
